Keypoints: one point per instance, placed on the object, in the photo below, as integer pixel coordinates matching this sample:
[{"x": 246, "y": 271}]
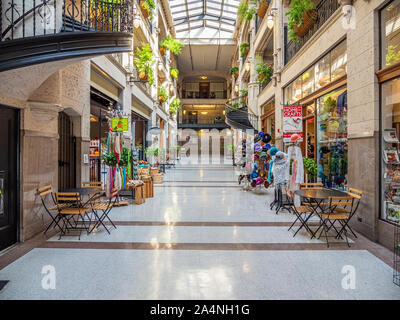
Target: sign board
[
  {"x": 292, "y": 122},
  {"x": 120, "y": 124},
  {"x": 85, "y": 158}
]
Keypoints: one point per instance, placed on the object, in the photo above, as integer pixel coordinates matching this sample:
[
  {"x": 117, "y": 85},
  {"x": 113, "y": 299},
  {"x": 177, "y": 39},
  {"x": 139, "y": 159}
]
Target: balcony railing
[
  {"x": 203, "y": 120},
  {"x": 36, "y": 31},
  {"x": 326, "y": 8},
  {"x": 203, "y": 95}
]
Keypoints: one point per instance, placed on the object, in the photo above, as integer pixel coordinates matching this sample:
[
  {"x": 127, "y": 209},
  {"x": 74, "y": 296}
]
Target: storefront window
[
  {"x": 332, "y": 139},
  {"x": 322, "y": 72},
  {"x": 289, "y": 97},
  {"x": 390, "y": 34},
  {"x": 390, "y": 118},
  {"x": 297, "y": 89},
  {"x": 307, "y": 80},
  {"x": 338, "y": 61}
]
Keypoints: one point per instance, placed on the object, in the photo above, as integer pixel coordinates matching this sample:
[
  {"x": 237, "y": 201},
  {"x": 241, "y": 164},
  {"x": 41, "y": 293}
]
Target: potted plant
[
  {"x": 174, "y": 72},
  {"x": 264, "y": 73},
  {"x": 234, "y": 72},
  {"x": 245, "y": 11},
  {"x": 262, "y": 8},
  {"x": 171, "y": 44},
  {"x": 310, "y": 168},
  {"x": 144, "y": 61},
  {"x": 243, "y": 95},
  {"x": 162, "y": 94},
  {"x": 147, "y": 7},
  {"x": 302, "y": 16},
  {"x": 174, "y": 106},
  {"x": 392, "y": 55},
  {"x": 244, "y": 49}
]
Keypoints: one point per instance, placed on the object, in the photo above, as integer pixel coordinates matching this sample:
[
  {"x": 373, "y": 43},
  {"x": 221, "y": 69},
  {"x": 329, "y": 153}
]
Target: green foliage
[
  {"x": 392, "y": 55},
  {"x": 310, "y": 166},
  {"x": 264, "y": 73},
  {"x": 149, "y": 5},
  {"x": 144, "y": 61},
  {"x": 235, "y": 106},
  {"x": 296, "y": 16},
  {"x": 174, "y": 72},
  {"x": 154, "y": 151},
  {"x": 163, "y": 92},
  {"x": 175, "y": 105},
  {"x": 110, "y": 159},
  {"x": 243, "y": 47},
  {"x": 233, "y": 71},
  {"x": 246, "y": 11},
  {"x": 171, "y": 44},
  {"x": 124, "y": 160},
  {"x": 244, "y": 92}
]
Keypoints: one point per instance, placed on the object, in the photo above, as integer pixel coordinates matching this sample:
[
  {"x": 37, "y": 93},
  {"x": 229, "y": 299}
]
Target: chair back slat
[
  {"x": 354, "y": 195},
  {"x": 311, "y": 185},
  {"x": 93, "y": 184},
  {"x": 45, "y": 188},
  {"x": 42, "y": 194},
  {"x": 355, "y": 191}
]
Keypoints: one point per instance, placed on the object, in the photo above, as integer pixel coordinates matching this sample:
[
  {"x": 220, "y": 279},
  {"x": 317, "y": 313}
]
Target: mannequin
[{"x": 297, "y": 176}]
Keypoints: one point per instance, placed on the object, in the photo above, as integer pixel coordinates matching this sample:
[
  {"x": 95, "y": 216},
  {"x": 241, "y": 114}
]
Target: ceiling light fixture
[
  {"x": 204, "y": 77},
  {"x": 270, "y": 18}
]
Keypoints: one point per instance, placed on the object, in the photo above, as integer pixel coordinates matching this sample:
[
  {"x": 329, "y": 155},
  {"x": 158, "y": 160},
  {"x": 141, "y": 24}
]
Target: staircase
[{"x": 240, "y": 118}]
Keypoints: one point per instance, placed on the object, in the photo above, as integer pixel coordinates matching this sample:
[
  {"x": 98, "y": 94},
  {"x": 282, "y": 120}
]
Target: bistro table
[{"x": 314, "y": 199}]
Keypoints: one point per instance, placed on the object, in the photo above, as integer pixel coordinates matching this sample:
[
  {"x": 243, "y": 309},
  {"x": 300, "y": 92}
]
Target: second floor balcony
[{"x": 37, "y": 31}]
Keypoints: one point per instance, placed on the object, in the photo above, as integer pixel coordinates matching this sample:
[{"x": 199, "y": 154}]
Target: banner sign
[
  {"x": 119, "y": 124},
  {"x": 292, "y": 122}
]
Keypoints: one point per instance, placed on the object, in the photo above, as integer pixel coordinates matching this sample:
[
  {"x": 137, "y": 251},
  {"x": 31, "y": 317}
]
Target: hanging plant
[
  {"x": 147, "y": 7},
  {"x": 172, "y": 45},
  {"x": 174, "y": 73},
  {"x": 175, "y": 106},
  {"x": 392, "y": 55},
  {"x": 246, "y": 11},
  {"x": 244, "y": 49},
  {"x": 310, "y": 166},
  {"x": 109, "y": 159},
  {"x": 153, "y": 151},
  {"x": 264, "y": 73},
  {"x": 234, "y": 72},
  {"x": 144, "y": 61},
  {"x": 262, "y": 9},
  {"x": 302, "y": 17},
  {"x": 162, "y": 94},
  {"x": 124, "y": 160}
]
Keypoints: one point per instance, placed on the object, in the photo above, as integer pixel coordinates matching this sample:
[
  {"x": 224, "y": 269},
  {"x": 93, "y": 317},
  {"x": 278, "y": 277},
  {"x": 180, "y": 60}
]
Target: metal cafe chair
[
  {"x": 334, "y": 213},
  {"x": 74, "y": 211},
  {"x": 299, "y": 211},
  {"x": 104, "y": 208}
]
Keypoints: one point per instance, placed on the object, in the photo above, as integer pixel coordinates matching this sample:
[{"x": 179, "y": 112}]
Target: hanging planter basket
[
  {"x": 145, "y": 12},
  {"x": 161, "y": 99},
  {"x": 236, "y": 74},
  {"x": 143, "y": 76},
  {"x": 163, "y": 51},
  {"x": 262, "y": 10},
  {"x": 310, "y": 17},
  {"x": 246, "y": 51}
]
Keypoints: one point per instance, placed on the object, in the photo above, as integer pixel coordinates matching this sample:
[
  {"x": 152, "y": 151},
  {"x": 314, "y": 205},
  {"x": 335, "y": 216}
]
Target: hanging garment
[
  {"x": 295, "y": 154},
  {"x": 280, "y": 170},
  {"x": 271, "y": 163},
  {"x": 117, "y": 146},
  {"x": 108, "y": 182},
  {"x": 117, "y": 179}
]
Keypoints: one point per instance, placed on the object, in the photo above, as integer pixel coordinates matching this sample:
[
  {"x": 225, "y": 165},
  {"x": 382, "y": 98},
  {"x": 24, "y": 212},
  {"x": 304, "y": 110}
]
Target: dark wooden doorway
[
  {"x": 204, "y": 88},
  {"x": 9, "y": 168},
  {"x": 66, "y": 153}
]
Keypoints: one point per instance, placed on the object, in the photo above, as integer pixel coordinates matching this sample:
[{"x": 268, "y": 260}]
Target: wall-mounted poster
[
  {"x": 392, "y": 212},
  {"x": 292, "y": 122},
  {"x": 119, "y": 124}
]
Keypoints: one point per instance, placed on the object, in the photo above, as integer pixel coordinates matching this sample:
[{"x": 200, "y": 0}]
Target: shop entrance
[
  {"x": 8, "y": 176},
  {"x": 66, "y": 153}
]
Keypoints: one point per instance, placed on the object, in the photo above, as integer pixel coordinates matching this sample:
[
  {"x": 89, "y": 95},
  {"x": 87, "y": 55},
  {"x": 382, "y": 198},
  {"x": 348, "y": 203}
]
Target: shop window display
[
  {"x": 332, "y": 139},
  {"x": 390, "y": 150},
  {"x": 322, "y": 72},
  {"x": 307, "y": 79},
  {"x": 338, "y": 61},
  {"x": 390, "y": 34}
]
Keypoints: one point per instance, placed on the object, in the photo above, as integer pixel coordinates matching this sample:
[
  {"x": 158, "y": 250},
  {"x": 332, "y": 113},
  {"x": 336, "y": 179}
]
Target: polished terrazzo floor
[{"x": 200, "y": 237}]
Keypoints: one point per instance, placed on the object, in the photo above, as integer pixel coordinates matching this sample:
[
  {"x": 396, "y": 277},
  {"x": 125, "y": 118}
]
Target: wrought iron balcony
[
  {"x": 325, "y": 8},
  {"x": 37, "y": 31}
]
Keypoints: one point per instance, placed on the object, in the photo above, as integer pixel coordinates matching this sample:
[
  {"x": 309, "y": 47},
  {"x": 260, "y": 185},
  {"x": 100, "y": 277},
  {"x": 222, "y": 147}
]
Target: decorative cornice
[{"x": 44, "y": 111}]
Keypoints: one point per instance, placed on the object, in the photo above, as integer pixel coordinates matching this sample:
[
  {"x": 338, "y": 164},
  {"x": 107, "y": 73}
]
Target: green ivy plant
[
  {"x": 310, "y": 166},
  {"x": 144, "y": 61},
  {"x": 296, "y": 16},
  {"x": 171, "y": 44},
  {"x": 154, "y": 151},
  {"x": 149, "y": 5},
  {"x": 244, "y": 92},
  {"x": 174, "y": 72},
  {"x": 233, "y": 71},
  {"x": 163, "y": 92},
  {"x": 175, "y": 105},
  {"x": 243, "y": 47},
  {"x": 264, "y": 73},
  {"x": 109, "y": 159},
  {"x": 246, "y": 11}
]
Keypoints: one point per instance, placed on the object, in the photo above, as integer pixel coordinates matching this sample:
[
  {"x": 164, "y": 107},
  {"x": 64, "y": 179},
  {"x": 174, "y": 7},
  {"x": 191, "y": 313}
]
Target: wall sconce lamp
[
  {"x": 247, "y": 66},
  {"x": 236, "y": 88},
  {"x": 136, "y": 19},
  {"x": 270, "y": 18}
]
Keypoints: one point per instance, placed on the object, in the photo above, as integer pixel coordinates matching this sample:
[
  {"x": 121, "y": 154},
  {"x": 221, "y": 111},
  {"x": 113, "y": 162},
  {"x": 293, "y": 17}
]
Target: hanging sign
[
  {"x": 292, "y": 122},
  {"x": 119, "y": 124}
]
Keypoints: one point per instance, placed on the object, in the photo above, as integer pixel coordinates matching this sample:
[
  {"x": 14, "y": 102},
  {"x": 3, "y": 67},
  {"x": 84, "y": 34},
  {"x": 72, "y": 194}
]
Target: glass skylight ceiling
[{"x": 190, "y": 15}]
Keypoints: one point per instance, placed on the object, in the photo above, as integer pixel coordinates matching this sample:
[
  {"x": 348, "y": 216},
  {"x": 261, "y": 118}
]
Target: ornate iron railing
[
  {"x": 240, "y": 117},
  {"x": 32, "y": 18},
  {"x": 325, "y": 10}
]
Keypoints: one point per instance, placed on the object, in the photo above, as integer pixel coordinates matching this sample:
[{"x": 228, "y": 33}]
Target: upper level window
[{"x": 390, "y": 34}]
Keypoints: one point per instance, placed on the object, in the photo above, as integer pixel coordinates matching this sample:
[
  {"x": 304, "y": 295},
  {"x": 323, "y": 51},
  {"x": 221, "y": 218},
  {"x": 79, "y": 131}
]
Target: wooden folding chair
[
  {"x": 105, "y": 209},
  {"x": 299, "y": 211},
  {"x": 70, "y": 207},
  {"x": 334, "y": 213},
  {"x": 55, "y": 217},
  {"x": 93, "y": 184}
]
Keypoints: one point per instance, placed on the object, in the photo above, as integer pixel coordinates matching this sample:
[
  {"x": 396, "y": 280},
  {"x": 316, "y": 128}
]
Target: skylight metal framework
[{"x": 196, "y": 14}]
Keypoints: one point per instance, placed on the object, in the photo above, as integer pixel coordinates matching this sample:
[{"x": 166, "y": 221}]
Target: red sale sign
[{"x": 292, "y": 122}]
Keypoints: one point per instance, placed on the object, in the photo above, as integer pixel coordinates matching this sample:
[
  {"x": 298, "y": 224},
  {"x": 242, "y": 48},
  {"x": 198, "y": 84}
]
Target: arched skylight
[{"x": 214, "y": 15}]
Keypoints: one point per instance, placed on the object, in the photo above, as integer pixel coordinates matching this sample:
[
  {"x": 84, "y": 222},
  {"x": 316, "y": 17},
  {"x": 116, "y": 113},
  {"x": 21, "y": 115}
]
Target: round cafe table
[{"x": 314, "y": 199}]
